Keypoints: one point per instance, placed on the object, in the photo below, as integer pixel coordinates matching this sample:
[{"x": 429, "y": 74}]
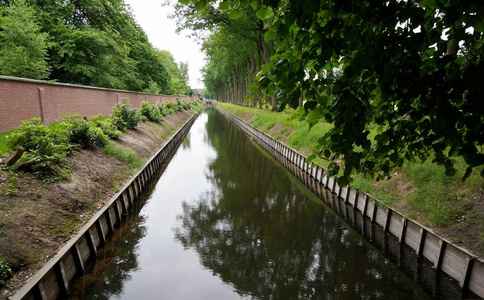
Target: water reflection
[
  {"x": 226, "y": 222},
  {"x": 115, "y": 262},
  {"x": 271, "y": 239}
]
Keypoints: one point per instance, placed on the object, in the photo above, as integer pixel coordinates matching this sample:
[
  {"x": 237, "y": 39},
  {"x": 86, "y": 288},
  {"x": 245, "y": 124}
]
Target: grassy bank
[{"x": 421, "y": 191}]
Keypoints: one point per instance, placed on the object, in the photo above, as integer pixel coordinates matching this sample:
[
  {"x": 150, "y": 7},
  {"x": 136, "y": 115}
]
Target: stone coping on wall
[{"x": 36, "y": 81}]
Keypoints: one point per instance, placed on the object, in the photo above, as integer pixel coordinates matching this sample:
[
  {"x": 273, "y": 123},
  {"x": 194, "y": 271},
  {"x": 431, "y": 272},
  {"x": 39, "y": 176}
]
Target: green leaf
[
  {"x": 255, "y": 4},
  {"x": 343, "y": 181},
  {"x": 311, "y": 158},
  {"x": 184, "y": 1},
  {"x": 224, "y": 5},
  {"x": 235, "y": 14},
  {"x": 262, "y": 13}
]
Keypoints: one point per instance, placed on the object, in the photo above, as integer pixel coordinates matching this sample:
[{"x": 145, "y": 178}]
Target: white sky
[{"x": 153, "y": 18}]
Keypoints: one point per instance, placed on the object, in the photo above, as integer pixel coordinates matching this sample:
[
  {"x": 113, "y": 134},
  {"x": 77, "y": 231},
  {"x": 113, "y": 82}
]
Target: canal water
[{"x": 225, "y": 221}]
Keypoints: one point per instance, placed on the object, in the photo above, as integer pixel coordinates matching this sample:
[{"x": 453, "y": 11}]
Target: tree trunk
[{"x": 267, "y": 60}]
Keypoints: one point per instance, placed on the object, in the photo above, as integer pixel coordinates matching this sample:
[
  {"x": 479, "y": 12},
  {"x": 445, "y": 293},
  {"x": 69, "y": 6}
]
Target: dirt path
[{"x": 38, "y": 218}]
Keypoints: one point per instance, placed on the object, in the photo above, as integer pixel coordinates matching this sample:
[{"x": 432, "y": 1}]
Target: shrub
[
  {"x": 48, "y": 145},
  {"x": 107, "y": 126},
  {"x": 145, "y": 109},
  {"x": 170, "y": 104},
  {"x": 186, "y": 105},
  {"x": 83, "y": 133},
  {"x": 124, "y": 117},
  {"x": 161, "y": 108},
  {"x": 39, "y": 140},
  {"x": 151, "y": 113},
  {"x": 5, "y": 272}
]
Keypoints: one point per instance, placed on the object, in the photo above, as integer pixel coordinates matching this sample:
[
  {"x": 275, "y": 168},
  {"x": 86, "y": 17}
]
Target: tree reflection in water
[
  {"x": 270, "y": 239},
  {"x": 115, "y": 263}
]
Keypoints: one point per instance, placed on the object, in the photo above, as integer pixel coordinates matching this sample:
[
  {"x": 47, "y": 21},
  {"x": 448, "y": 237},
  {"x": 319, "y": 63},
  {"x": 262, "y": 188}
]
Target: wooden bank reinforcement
[
  {"x": 458, "y": 263},
  {"x": 53, "y": 280}
]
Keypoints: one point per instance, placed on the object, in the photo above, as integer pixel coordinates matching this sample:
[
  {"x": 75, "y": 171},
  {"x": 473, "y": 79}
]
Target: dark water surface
[{"x": 226, "y": 222}]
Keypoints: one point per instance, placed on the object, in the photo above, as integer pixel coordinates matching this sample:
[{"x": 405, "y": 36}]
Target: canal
[{"x": 225, "y": 221}]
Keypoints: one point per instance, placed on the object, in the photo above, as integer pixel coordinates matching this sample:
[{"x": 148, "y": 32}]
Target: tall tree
[
  {"x": 410, "y": 69},
  {"x": 244, "y": 26},
  {"x": 23, "y": 47}
]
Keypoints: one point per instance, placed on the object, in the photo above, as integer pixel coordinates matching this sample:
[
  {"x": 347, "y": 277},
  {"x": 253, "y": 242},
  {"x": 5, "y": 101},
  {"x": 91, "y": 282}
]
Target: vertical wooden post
[
  {"x": 61, "y": 278},
  {"x": 423, "y": 234},
  {"x": 76, "y": 253},
  {"x": 438, "y": 263},
  {"x": 102, "y": 236},
  {"x": 403, "y": 231},
  {"x": 464, "y": 282},
  {"x": 387, "y": 222}
]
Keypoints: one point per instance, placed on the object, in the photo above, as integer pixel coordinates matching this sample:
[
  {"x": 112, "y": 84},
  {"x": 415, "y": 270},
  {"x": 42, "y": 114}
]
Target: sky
[{"x": 153, "y": 18}]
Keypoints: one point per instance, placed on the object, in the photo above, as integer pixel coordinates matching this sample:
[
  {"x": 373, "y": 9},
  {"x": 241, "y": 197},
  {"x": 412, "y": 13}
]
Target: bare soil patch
[{"x": 38, "y": 218}]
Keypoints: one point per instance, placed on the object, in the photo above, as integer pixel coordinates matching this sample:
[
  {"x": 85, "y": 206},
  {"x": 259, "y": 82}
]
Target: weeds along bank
[
  {"x": 64, "y": 174},
  {"x": 421, "y": 191}
]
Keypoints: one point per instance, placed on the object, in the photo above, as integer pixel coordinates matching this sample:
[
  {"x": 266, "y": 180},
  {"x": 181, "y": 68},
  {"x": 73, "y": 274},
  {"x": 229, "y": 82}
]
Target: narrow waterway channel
[{"x": 225, "y": 221}]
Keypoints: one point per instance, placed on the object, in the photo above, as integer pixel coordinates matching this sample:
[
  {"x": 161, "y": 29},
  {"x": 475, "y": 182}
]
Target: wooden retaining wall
[
  {"x": 52, "y": 281},
  {"x": 458, "y": 263}
]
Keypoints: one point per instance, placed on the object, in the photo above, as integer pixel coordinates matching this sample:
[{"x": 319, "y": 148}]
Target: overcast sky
[{"x": 153, "y": 18}]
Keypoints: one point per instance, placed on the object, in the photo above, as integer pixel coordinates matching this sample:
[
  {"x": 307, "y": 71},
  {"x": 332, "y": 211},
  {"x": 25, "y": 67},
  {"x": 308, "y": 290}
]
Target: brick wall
[{"x": 22, "y": 99}]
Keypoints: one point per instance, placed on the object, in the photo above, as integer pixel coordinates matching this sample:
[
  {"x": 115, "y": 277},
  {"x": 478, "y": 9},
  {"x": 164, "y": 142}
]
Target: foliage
[
  {"x": 87, "y": 42},
  {"x": 411, "y": 69},
  {"x": 125, "y": 117},
  {"x": 107, "y": 126},
  {"x": 152, "y": 88},
  {"x": 83, "y": 132},
  {"x": 3, "y": 142},
  {"x": 178, "y": 80},
  {"x": 5, "y": 272},
  {"x": 235, "y": 47},
  {"x": 40, "y": 140},
  {"x": 48, "y": 145},
  {"x": 23, "y": 47},
  {"x": 151, "y": 113}
]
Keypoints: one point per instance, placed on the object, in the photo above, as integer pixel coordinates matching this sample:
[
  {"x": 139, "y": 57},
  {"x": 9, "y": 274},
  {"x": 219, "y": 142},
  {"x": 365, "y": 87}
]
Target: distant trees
[
  {"x": 411, "y": 71},
  {"x": 89, "y": 42},
  {"x": 235, "y": 49},
  {"x": 177, "y": 74}
]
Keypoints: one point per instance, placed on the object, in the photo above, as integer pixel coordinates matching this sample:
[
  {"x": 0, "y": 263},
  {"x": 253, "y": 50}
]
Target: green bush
[
  {"x": 48, "y": 145},
  {"x": 151, "y": 113},
  {"x": 125, "y": 117},
  {"x": 39, "y": 140},
  {"x": 145, "y": 109},
  {"x": 5, "y": 272},
  {"x": 83, "y": 133},
  {"x": 161, "y": 109},
  {"x": 107, "y": 126},
  {"x": 186, "y": 105},
  {"x": 170, "y": 105}
]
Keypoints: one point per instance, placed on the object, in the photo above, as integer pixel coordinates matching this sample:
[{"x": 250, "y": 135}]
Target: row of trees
[
  {"x": 235, "y": 50},
  {"x": 88, "y": 42},
  {"x": 411, "y": 71}
]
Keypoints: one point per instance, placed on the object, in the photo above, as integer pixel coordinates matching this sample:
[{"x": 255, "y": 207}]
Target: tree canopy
[
  {"x": 89, "y": 42},
  {"x": 411, "y": 71}
]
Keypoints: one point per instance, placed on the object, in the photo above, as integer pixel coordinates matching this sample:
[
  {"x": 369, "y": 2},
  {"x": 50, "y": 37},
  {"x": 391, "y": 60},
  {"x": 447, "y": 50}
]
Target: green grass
[
  {"x": 3, "y": 142},
  {"x": 122, "y": 154}
]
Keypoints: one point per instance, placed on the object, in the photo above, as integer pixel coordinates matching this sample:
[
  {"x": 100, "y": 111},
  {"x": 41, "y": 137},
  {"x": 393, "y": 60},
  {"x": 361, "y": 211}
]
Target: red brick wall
[{"x": 22, "y": 99}]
